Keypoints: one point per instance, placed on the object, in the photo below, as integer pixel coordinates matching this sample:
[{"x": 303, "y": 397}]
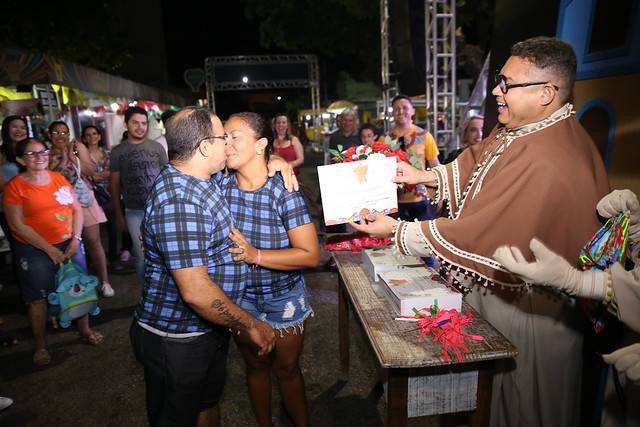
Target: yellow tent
[{"x": 339, "y": 106}]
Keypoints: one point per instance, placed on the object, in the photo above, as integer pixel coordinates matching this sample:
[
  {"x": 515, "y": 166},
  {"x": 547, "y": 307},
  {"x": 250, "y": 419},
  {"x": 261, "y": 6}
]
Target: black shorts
[{"x": 184, "y": 376}]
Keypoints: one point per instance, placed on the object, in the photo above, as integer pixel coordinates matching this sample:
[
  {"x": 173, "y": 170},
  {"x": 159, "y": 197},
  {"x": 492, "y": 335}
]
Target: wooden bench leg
[
  {"x": 397, "y": 397},
  {"x": 343, "y": 327},
  {"x": 480, "y": 417}
]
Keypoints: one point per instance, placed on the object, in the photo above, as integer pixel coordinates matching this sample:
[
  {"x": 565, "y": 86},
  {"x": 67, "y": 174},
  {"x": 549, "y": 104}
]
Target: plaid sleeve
[
  {"x": 182, "y": 234},
  {"x": 293, "y": 210}
]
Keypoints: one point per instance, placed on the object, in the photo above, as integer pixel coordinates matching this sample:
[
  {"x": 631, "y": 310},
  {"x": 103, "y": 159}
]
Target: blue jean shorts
[
  {"x": 36, "y": 272},
  {"x": 289, "y": 310}
]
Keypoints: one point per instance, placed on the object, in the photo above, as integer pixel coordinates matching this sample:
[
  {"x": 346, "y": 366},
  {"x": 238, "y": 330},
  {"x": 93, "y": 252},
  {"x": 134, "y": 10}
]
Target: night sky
[{"x": 195, "y": 30}]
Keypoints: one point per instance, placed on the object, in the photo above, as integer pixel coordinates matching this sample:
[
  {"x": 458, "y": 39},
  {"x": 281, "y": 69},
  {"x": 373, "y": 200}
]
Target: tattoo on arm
[{"x": 235, "y": 322}]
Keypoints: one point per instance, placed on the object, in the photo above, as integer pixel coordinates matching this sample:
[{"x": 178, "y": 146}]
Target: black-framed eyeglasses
[
  {"x": 57, "y": 132},
  {"x": 225, "y": 137},
  {"x": 501, "y": 81},
  {"x": 34, "y": 154}
]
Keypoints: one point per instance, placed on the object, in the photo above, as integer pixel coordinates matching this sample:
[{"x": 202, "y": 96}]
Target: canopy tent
[
  {"x": 339, "y": 106},
  {"x": 17, "y": 69},
  {"x": 45, "y": 88}
]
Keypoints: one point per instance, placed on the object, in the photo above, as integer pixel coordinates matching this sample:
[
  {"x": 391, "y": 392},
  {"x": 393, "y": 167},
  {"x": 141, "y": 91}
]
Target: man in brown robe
[{"x": 537, "y": 174}]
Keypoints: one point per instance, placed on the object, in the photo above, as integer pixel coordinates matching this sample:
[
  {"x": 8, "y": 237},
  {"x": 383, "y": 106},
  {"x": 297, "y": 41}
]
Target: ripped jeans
[
  {"x": 36, "y": 271},
  {"x": 286, "y": 311}
]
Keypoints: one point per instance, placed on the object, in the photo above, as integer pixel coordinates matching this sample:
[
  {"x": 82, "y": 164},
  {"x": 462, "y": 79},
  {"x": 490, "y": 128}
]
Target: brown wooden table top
[{"x": 397, "y": 344}]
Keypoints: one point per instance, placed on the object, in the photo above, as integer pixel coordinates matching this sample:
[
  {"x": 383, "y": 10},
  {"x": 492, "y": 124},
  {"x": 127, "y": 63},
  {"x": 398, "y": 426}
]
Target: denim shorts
[
  {"x": 36, "y": 272},
  {"x": 289, "y": 310}
]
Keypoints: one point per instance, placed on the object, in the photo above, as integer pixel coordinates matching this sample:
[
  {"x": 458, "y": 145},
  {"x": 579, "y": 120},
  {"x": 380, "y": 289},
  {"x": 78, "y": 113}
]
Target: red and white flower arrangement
[{"x": 388, "y": 148}]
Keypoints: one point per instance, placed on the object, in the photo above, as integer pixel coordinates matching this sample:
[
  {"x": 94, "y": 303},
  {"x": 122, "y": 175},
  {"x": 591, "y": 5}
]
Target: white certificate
[{"x": 355, "y": 189}]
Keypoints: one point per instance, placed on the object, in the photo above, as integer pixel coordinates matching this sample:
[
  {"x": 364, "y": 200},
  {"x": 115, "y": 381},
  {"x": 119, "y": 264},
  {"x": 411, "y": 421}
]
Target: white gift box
[
  {"x": 384, "y": 258},
  {"x": 418, "y": 288}
]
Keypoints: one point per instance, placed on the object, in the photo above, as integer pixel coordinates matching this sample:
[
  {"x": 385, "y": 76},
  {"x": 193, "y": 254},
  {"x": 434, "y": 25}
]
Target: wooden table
[{"x": 405, "y": 359}]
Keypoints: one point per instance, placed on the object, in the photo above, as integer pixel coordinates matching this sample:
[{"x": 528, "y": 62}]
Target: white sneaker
[
  {"x": 5, "y": 402},
  {"x": 107, "y": 290},
  {"x": 125, "y": 256}
]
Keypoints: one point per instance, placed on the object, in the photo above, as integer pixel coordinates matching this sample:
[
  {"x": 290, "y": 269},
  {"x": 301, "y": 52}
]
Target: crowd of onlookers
[{"x": 60, "y": 194}]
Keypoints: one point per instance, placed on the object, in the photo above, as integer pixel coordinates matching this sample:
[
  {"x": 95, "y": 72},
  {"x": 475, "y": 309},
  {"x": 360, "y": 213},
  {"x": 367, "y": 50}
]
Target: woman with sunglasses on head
[
  {"x": 99, "y": 155},
  {"x": 276, "y": 237},
  {"x": 46, "y": 221},
  {"x": 73, "y": 160}
]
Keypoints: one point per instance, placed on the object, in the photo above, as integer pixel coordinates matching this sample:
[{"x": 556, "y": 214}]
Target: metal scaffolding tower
[
  {"x": 384, "y": 49},
  {"x": 225, "y": 73},
  {"x": 440, "y": 75},
  {"x": 440, "y": 35}
]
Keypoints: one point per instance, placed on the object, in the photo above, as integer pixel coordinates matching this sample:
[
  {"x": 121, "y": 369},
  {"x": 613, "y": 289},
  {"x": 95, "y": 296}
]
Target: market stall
[{"x": 45, "y": 88}]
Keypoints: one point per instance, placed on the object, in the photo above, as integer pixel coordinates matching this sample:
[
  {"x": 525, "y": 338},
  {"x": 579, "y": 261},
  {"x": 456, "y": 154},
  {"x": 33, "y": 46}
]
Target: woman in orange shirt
[{"x": 46, "y": 220}]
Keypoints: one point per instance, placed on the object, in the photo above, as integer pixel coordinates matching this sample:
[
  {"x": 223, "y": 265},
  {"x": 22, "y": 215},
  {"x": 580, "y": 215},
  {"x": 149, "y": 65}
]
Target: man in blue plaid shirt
[{"x": 180, "y": 330}]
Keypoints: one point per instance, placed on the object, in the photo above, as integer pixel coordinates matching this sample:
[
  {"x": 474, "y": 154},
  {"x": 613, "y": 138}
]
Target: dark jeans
[
  {"x": 7, "y": 232},
  {"x": 112, "y": 234},
  {"x": 420, "y": 210},
  {"x": 184, "y": 376},
  {"x": 417, "y": 210},
  {"x": 36, "y": 271}
]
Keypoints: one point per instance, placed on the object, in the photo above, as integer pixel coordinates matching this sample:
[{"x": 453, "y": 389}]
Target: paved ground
[{"x": 103, "y": 385}]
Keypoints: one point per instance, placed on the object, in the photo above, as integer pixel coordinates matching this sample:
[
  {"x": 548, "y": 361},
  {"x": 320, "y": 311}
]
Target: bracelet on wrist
[
  {"x": 609, "y": 292},
  {"x": 258, "y": 261},
  {"x": 78, "y": 238}
]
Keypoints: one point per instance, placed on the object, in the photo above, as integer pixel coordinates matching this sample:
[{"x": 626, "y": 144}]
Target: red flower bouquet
[{"x": 389, "y": 148}]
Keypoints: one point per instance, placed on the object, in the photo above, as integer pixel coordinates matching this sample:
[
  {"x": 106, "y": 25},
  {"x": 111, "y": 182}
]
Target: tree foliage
[
  {"x": 91, "y": 33},
  {"x": 344, "y": 32}
]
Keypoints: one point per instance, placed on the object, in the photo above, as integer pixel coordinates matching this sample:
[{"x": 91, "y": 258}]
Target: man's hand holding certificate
[{"x": 354, "y": 189}]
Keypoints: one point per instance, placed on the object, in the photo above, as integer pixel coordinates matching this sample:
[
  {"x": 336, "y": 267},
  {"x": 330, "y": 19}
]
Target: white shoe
[
  {"x": 125, "y": 256},
  {"x": 5, "y": 402},
  {"x": 107, "y": 290}
]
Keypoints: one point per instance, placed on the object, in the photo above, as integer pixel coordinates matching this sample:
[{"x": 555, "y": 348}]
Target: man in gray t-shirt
[{"x": 134, "y": 165}]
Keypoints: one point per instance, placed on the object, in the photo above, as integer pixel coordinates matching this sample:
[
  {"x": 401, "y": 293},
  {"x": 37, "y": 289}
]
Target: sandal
[
  {"x": 42, "y": 357},
  {"x": 94, "y": 338}
]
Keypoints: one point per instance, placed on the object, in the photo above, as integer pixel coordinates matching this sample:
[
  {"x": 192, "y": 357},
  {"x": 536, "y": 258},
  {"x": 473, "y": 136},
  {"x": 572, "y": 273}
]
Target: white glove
[
  {"x": 627, "y": 360},
  {"x": 550, "y": 269},
  {"x": 619, "y": 201}
]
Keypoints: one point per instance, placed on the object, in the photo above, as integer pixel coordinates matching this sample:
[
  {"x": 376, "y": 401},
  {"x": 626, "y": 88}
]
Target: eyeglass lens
[
  {"x": 225, "y": 137},
  {"x": 34, "y": 154},
  {"x": 501, "y": 81}
]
